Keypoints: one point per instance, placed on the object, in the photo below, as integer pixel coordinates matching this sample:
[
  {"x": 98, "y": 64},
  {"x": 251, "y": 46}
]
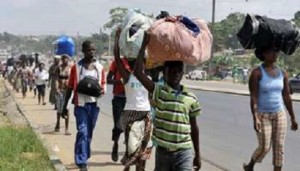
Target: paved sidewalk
[{"x": 43, "y": 119}]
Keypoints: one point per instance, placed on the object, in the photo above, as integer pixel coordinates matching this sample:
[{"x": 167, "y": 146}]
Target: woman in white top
[
  {"x": 137, "y": 108},
  {"x": 41, "y": 77}
]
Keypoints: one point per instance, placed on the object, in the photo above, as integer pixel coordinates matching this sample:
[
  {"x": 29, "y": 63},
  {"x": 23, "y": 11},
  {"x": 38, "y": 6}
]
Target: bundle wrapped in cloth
[
  {"x": 133, "y": 27},
  {"x": 258, "y": 31},
  {"x": 179, "y": 39}
]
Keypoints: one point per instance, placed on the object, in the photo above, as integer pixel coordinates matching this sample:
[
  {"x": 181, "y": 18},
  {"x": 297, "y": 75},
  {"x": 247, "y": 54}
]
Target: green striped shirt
[{"x": 173, "y": 110}]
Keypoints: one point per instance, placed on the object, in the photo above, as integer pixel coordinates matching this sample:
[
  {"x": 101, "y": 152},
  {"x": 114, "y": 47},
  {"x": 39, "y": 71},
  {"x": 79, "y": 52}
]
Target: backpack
[{"x": 258, "y": 31}]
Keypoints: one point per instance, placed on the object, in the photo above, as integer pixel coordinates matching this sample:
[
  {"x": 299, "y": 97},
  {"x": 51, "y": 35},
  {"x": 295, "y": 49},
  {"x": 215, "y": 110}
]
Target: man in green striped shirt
[{"x": 175, "y": 125}]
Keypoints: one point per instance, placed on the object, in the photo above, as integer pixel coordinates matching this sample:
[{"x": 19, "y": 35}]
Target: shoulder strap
[{"x": 80, "y": 68}]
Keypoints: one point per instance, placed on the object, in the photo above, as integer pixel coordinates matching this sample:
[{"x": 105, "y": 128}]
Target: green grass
[{"x": 20, "y": 150}]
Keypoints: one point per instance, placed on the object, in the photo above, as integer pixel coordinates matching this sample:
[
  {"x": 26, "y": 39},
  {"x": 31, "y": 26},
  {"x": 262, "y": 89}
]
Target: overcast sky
[{"x": 36, "y": 17}]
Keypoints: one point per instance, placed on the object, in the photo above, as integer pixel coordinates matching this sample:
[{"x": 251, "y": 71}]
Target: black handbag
[{"x": 89, "y": 86}]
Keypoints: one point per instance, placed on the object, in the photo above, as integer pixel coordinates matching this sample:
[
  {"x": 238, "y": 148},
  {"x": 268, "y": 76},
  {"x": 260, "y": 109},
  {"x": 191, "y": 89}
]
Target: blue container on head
[{"x": 65, "y": 45}]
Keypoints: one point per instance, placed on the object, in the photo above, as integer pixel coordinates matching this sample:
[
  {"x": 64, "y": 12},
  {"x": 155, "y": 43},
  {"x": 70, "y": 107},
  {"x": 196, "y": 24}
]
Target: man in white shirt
[{"x": 41, "y": 77}]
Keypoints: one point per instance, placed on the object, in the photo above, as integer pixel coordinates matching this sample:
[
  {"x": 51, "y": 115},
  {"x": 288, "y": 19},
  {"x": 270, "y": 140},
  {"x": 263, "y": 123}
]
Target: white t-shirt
[
  {"x": 41, "y": 77},
  {"x": 136, "y": 95}
]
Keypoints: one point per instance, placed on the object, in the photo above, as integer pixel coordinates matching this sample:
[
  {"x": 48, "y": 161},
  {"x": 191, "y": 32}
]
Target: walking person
[
  {"x": 86, "y": 72},
  {"x": 137, "y": 109},
  {"x": 41, "y": 77},
  {"x": 17, "y": 77},
  {"x": 34, "y": 69},
  {"x": 175, "y": 122},
  {"x": 53, "y": 80},
  {"x": 118, "y": 103},
  {"x": 62, "y": 75},
  {"x": 269, "y": 93},
  {"x": 31, "y": 83},
  {"x": 24, "y": 74}
]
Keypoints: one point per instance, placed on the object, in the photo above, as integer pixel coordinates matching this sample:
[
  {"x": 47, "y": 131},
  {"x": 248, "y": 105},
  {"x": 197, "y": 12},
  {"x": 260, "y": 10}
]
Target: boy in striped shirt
[{"x": 175, "y": 125}]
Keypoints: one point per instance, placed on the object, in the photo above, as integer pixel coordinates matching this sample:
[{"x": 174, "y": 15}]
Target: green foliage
[
  {"x": 297, "y": 18},
  {"x": 224, "y": 60},
  {"x": 225, "y": 32},
  {"x": 116, "y": 16},
  {"x": 21, "y": 150}
]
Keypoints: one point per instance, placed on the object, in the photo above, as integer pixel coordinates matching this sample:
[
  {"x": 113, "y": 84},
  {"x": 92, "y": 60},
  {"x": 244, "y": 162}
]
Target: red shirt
[{"x": 118, "y": 89}]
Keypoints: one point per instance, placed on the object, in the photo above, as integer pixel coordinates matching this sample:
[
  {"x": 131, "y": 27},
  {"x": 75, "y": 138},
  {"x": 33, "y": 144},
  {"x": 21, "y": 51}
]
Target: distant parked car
[
  {"x": 294, "y": 84},
  {"x": 196, "y": 75}
]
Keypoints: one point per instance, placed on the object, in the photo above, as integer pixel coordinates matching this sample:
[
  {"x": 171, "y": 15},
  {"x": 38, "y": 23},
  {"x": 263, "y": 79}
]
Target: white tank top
[
  {"x": 91, "y": 73},
  {"x": 136, "y": 95}
]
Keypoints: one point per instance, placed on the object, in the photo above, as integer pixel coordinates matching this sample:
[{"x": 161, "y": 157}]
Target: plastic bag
[
  {"x": 133, "y": 27},
  {"x": 64, "y": 45},
  {"x": 179, "y": 38},
  {"x": 136, "y": 136},
  {"x": 258, "y": 32}
]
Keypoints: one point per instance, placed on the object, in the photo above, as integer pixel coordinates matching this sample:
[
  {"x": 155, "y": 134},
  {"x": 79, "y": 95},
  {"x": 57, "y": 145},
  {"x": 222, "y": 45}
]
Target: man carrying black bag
[{"x": 87, "y": 80}]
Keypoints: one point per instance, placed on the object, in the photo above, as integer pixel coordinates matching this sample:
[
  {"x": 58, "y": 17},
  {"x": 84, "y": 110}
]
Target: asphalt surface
[{"x": 226, "y": 132}]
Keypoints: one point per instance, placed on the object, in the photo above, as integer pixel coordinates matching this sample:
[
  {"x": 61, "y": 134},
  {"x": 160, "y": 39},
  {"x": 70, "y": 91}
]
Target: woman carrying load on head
[
  {"x": 269, "y": 93},
  {"x": 137, "y": 108}
]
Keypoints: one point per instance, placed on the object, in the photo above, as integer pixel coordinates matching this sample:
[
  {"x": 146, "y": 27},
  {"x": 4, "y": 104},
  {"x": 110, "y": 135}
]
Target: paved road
[
  {"x": 227, "y": 132},
  {"x": 227, "y": 136}
]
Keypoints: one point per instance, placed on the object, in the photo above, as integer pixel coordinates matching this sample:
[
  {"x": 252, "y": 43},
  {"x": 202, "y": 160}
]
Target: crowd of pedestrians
[{"x": 166, "y": 110}]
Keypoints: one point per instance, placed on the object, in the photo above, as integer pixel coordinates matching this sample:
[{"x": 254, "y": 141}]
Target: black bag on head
[
  {"x": 258, "y": 31},
  {"x": 89, "y": 86}
]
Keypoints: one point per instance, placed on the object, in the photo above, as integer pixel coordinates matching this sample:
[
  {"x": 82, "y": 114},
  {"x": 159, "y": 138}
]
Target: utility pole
[{"x": 210, "y": 69}]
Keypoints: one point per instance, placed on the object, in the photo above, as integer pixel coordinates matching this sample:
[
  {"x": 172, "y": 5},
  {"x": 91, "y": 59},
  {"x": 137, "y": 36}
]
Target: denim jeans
[
  {"x": 181, "y": 160},
  {"x": 86, "y": 118},
  {"x": 118, "y": 104}
]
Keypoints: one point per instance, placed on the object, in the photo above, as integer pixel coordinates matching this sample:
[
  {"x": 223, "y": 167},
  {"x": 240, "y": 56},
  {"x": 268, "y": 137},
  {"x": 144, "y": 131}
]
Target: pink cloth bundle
[{"x": 171, "y": 40}]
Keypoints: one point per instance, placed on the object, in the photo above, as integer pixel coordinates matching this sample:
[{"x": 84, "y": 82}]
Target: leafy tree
[
  {"x": 225, "y": 31},
  {"x": 116, "y": 17}
]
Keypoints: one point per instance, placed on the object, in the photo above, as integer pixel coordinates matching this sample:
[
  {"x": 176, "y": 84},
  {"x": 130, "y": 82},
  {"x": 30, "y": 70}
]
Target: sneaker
[{"x": 114, "y": 154}]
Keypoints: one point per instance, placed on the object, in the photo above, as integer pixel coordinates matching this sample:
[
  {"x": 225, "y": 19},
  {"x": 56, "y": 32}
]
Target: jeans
[
  {"x": 86, "y": 118},
  {"x": 118, "y": 104},
  {"x": 181, "y": 160}
]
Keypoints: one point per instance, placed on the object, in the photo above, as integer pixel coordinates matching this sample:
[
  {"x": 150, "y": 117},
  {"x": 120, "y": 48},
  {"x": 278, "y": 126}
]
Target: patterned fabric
[
  {"x": 60, "y": 99},
  {"x": 172, "y": 117},
  {"x": 171, "y": 40},
  {"x": 128, "y": 118},
  {"x": 53, "y": 78},
  {"x": 273, "y": 131}
]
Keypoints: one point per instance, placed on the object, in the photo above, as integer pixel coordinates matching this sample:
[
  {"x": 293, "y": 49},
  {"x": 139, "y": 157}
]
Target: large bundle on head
[
  {"x": 179, "y": 39},
  {"x": 133, "y": 27},
  {"x": 259, "y": 32},
  {"x": 64, "y": 45}
]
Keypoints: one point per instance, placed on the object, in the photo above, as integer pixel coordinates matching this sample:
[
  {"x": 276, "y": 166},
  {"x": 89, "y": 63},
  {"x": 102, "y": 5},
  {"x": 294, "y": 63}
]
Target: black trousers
[{"x": 118, "y": 104}]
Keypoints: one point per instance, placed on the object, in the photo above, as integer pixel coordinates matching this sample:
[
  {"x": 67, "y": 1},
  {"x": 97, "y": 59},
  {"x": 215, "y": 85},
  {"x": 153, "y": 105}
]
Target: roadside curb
[
  {"x": 238, "y": 92},
  {"x": 54, "y": 159}
]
